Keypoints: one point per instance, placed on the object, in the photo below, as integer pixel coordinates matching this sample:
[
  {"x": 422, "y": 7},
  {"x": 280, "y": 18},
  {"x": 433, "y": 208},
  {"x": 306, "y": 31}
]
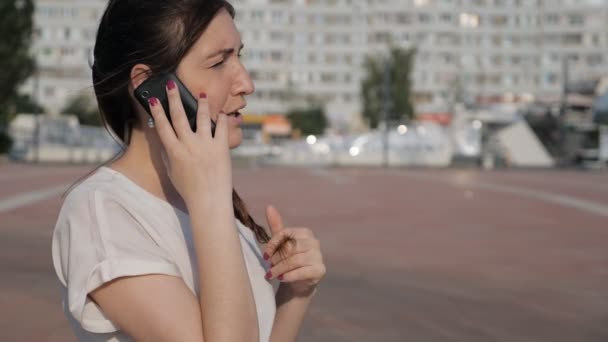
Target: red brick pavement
[{"x": 412, "y": 254}]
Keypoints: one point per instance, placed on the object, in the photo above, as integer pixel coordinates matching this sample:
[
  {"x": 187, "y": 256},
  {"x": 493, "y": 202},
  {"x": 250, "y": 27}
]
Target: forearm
[
  {"x": 290, "y": 313},
  {"x": 226, "y": 298}
]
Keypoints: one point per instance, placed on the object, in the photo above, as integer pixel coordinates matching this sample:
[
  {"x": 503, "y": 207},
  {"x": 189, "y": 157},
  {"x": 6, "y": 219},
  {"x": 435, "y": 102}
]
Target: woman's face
[{"x": 212, "y": 66}]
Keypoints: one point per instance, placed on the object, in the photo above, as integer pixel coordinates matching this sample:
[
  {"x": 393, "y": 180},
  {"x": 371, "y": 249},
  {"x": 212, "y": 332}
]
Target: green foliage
[
  {"x": 308, "y": 121},
  {"x": 400, "y": 62},
  {"x": 5, "y": 142},
  {"x": 85, "y": 110},
  {"x": 16, "y": 64},
  {"x": 25, "y": 104}
]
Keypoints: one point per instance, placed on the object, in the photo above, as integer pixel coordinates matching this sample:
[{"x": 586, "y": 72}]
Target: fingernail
[
  {"x": 269, "y": 275},
  {"x": 153, "y": 101},
  {"x": 170, "y": 85},
  {"x": 266, "y": 256},
  {"x": 280, "y": 277},
  {"x": 202, "y": 95}
]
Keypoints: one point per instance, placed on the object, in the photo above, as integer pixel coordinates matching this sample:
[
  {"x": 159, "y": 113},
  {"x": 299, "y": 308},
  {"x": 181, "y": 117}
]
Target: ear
[{"x": 139, "y": 73}]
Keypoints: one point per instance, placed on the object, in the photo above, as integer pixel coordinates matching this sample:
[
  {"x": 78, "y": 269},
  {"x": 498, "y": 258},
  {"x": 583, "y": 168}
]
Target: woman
[{"x": 157, "y": 246}]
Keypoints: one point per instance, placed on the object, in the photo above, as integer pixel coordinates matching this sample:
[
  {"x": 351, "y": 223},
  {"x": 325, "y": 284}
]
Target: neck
[{"x": 142, "y": 162}]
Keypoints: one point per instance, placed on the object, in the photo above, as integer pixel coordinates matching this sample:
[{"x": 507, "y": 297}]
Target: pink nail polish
[
  {"x": 266, "y": 256},
  {"x": 170, "y": 85},
  {"x": 269, "y": 275},
  {"x": 153, "y": 101},
  {"x": 202, "y": 95},
  {"x": 280, "y": 277}
]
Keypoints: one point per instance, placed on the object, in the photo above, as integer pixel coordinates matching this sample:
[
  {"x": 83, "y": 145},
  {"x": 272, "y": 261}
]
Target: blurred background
[{"x": 450, "y": 155}]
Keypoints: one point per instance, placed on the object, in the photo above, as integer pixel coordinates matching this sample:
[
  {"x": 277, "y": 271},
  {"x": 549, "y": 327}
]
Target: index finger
[
  {"x": 163, "y": 127},
  {"x": 277, "y": 243}
]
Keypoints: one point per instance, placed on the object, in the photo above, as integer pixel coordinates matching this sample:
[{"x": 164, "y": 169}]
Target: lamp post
[
  {"x": 36, "y": 96},
  {"x": 386, "y": 108},
  {"x": 563, "y": 109}
]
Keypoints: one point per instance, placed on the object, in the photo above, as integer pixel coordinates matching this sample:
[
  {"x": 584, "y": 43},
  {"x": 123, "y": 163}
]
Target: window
[
  {"x": 278, "y": 17},
  {"x": 328, "y": 77},
  {"x": 424, "y": 18},
  {"x": 552, "y": 19},
  {"x": 572, "y": 39},
  {"x": 312, "y": 58},
  {"x": 276, "y": 56},
  {"x": 595, "y": 59},
  {"x": 330, "y": 58},
  {"x": 576, "y": 19},
  {"x": 49, "y": 91},
  {"x": 469, "y": 20},
  {"x": 499, "y": 20}
]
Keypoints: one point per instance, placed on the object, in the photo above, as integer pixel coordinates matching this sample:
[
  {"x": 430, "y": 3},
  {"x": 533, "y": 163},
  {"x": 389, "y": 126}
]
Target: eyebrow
[{"x": 224, "y": 51}]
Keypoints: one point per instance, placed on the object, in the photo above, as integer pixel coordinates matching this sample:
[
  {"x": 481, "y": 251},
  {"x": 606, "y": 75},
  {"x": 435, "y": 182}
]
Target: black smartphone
[{"x": 155, "y": 86}]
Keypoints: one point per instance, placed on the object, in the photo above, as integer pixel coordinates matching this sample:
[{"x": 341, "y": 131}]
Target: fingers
[
  {"x": 276, "y": 242},
  {"x": 289, "y": 264},
  {"x": 221, "y": 129},
  {"x": 203, "y": 117},
  {"x": 309, "y": 273},
  {"x": 274, "y": 220},
  {"x": 163, "y": 127},
  {"x": 178, "y": 114},
  {"x": 293, "y": 247},
  {"x": 288, "y": 240}
]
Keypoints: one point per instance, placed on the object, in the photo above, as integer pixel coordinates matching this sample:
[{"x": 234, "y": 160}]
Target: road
[{"x": 412, "y": 255}]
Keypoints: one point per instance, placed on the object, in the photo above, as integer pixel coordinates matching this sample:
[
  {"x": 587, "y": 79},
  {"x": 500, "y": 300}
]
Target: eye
[{"x": 218, "y": 64}]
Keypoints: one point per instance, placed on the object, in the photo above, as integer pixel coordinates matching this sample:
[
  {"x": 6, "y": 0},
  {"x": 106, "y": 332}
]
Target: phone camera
[{"x": 145, "y": 94}]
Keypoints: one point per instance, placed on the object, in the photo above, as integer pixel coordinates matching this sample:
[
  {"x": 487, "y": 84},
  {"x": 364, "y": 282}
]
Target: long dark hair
[{"x": 157, "y": 33}]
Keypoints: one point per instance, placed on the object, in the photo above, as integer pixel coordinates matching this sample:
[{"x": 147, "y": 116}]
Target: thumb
[{"x": 274, "y": 220}]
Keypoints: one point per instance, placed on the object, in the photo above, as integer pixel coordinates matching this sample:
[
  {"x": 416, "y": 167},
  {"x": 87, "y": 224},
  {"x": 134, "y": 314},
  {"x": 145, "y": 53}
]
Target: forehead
[{"x": 221, "y": 33}]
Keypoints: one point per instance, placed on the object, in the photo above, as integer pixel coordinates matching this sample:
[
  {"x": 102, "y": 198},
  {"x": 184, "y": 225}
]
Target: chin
[{"x": 235, "y": 138}]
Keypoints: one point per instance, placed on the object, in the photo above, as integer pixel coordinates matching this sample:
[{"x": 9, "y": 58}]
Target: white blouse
[{"x": 109, "y": 227}]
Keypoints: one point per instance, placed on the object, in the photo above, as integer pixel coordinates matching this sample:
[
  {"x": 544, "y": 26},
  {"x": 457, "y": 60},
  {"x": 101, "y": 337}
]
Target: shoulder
[
  {"x": 96, "y": 194},
  {"x": 100, "y": 184},
  {"x": 97, "y": 207}
]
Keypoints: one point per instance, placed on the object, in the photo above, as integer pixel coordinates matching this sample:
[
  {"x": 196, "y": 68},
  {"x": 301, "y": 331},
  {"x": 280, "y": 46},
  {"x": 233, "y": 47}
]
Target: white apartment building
[
  {"x": 489, "y": 49},
  {"x": 484, "y": 49},
  {"x": 64, "y": 36}
]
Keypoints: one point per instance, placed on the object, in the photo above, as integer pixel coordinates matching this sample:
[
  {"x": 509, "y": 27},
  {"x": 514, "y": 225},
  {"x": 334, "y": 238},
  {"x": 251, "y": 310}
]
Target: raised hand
[
  {"x": 197, "y": 163},
  {"x": 295, "y": 255}
]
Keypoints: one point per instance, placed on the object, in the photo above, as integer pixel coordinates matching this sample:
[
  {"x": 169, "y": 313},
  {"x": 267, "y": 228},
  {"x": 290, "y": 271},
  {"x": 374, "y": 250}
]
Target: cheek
[{"x": 217, "y": 94}]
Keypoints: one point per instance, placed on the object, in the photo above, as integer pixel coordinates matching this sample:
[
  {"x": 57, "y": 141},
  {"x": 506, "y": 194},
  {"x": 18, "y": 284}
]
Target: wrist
[{"x": 300, "y": 291}]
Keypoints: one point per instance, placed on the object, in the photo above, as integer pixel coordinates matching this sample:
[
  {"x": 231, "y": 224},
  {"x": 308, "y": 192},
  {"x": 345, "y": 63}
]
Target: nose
[{"x": 243, "y": 85}]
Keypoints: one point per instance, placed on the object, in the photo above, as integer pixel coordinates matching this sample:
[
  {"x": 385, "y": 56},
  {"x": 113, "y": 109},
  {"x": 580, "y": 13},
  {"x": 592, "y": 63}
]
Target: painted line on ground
[
  {"x": 572, "y": 202},
  {"x": 25, "y": 174},
  {"x": 331, "y": 175},
  {"x": 30, "y": 197}
]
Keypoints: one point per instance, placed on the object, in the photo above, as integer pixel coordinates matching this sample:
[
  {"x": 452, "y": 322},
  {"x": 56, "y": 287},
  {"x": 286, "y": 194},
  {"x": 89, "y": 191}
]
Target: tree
[
  {"x": 308, "y": 121},
  {"x": 16, "y": 63},
  {"x": 84, "y": 109},
  {"x": 399, "y": 63},
  {"x": 25, "y": 104}
]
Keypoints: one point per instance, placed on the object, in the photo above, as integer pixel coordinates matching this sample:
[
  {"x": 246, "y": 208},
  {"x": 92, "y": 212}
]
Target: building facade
[
  {"x": 64, "y": 35},
  {"x": 302, "y": 50}
]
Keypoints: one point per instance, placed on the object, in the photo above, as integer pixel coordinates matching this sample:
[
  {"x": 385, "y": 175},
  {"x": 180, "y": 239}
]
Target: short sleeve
[{"x": 98, "y": 238}]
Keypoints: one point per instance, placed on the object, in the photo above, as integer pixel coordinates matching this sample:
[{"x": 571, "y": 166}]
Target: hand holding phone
[
  {"x": 197, "y": 163},
  {"x": 155, "y": 87}
]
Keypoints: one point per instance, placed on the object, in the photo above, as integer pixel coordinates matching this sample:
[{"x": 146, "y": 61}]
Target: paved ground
[{"x": 412, "y": 255}]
